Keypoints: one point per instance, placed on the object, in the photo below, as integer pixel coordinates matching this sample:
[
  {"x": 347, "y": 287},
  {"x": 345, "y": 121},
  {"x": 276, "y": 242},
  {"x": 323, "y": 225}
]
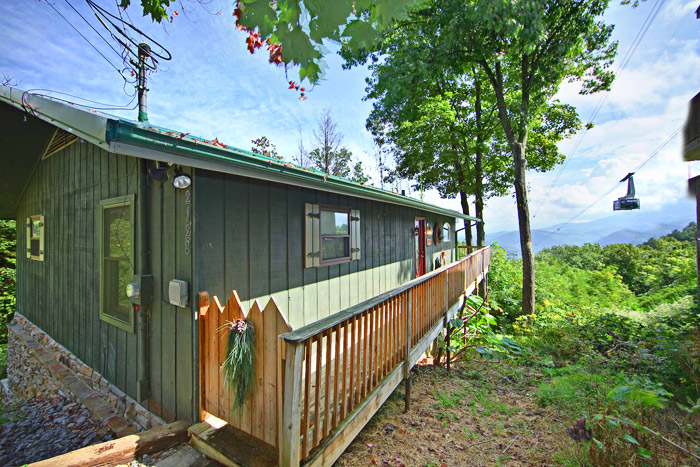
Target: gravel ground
[{"x": 42, "y": 428}]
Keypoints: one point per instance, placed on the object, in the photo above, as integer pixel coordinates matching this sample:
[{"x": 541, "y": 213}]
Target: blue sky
[{"x": 214, "y": 88}]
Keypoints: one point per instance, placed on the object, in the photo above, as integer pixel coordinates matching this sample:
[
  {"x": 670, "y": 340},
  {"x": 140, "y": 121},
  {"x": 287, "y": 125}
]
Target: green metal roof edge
[
  {"x": 166, "y": 141},
  {"x": 88, "y": 125}
]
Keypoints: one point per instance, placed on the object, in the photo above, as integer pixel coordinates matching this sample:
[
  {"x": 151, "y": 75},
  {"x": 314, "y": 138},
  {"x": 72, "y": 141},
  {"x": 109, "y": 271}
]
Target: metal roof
[{"x": 142, "y": 139}]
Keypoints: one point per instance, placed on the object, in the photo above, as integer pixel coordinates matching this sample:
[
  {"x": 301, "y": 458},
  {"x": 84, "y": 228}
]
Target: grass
[{"x": 576, "y": 390}]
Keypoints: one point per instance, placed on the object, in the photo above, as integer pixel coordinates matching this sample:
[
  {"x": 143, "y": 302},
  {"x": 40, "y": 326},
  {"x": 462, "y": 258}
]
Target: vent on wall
[{"x": 59, "y": 140}]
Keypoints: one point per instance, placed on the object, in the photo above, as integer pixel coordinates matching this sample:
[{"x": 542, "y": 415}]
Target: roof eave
[{"x": 135, "y": 140}]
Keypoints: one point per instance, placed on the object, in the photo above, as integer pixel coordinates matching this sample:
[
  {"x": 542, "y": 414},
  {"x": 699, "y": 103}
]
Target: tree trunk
[
  {"x": 518, "y": 149},
  {"x": 524, "y": 227},
  {"x": 467, "y": 222},
  {"x": 478, "y": 169}
]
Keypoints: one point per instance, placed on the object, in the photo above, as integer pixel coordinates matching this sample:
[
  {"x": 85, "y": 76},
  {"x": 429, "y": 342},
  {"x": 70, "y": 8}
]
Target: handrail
[{"x": 310, "y": 330}]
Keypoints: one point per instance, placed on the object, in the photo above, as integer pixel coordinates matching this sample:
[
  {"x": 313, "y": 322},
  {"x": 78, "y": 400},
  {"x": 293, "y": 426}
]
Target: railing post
[
  {"x": 407, "y": 361},
  {"x": 290, "y": 428}
]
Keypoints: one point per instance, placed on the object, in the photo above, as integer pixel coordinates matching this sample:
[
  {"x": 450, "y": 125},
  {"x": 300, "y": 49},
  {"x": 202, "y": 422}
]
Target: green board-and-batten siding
[
  {"x": 250, "y": 238},
  {"x": 61, "y": 293}
]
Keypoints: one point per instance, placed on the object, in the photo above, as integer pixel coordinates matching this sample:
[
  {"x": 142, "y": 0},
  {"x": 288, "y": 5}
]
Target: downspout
[{"x": 143, "y": 269}]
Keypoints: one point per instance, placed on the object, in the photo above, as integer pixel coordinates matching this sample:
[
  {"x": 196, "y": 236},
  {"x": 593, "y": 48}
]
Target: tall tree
[
  {"x": 526, "y": 49},
  {"x": 329, "y": 156},
  {"x": 443, "y": 122}
]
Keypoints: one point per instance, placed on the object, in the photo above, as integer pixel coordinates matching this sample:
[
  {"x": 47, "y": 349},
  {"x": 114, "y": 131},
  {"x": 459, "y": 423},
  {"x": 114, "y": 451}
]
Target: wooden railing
[{"x": 339, "y": 370}]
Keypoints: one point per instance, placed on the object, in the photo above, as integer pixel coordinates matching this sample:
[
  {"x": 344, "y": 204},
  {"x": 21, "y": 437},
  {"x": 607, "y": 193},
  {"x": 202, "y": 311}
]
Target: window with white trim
[
  {"x": 35, "y": 237},
  {"x": 332, "y": 235}
]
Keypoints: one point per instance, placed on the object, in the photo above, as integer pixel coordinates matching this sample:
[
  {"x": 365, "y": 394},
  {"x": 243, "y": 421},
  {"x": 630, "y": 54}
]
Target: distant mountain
[{"x": 633, "y": 227}]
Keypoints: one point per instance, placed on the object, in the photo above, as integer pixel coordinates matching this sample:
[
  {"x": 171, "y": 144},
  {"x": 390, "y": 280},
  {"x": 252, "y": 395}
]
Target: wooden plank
[
  {"x": 306, "y": 415},
  {"x": 242, "y": 419},
  {"x": 156, "y": 309},
  {"x": 203, "y": 354},
  {"x": 269, "y": 376},
  {"x": 327, "y": 382},
  {"x": 317, "y": 390},
  {"x": 212, "y": 381},
  {"x": 336, "y": 376},
  {"x": 282, "y": 327},
  {"x": 290, "y": 426},
  {"x": 259, "y": 239},
  {"x": 184, "y": 321},
  {"x": 257, "y": 400},
  {"x": 343, "y": 388},
  {"x": 233, "y": 448},
  {"x": 122, "y": 450},
  {"x": 168, "y": 316}
]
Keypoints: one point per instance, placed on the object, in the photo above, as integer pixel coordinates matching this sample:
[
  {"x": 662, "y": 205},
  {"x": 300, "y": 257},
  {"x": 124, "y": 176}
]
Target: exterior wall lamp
[{"x": 181, "y": 180}]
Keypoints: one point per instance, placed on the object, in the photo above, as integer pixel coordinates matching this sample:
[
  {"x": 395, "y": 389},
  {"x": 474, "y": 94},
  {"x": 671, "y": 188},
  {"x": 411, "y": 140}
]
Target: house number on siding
[{"x": 188, "y": 222}]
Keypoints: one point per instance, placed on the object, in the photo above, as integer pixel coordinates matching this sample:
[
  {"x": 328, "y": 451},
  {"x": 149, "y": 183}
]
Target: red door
[{"x": 419, "y": 247}]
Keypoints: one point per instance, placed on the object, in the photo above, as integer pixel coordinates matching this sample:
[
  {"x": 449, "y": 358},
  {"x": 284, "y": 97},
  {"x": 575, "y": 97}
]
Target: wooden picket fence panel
[{"x": 261, "y": 415}]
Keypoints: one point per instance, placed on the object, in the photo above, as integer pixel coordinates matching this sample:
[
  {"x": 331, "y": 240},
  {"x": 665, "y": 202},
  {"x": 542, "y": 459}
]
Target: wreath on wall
[
  {"x": 437, "y": 233},
  {"x": 238, "y": 368}
]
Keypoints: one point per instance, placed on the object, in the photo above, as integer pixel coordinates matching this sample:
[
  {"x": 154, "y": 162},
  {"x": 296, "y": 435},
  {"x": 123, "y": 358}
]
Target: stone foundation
[{"x": 38, "y": 366}]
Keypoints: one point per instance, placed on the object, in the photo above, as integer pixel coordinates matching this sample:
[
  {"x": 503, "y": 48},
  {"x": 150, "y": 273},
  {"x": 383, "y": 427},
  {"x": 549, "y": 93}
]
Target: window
[
  {"x": 116, "y": 240},
  {"x": 35, "y": 237},
  {"x": 332, "y": 235},
  {"x": 446, "y": 232}
]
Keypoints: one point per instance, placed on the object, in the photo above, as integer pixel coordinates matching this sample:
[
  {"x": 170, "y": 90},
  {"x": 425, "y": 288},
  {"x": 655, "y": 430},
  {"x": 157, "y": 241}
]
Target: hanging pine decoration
[{"x": 239, "y": 366}]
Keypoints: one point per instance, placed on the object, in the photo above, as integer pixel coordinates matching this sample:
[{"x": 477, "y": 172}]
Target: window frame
[
  {"x": 334, "y": 209},
  {"x": 127, "y": 200},
  {"x": 30, "y": 237},
  {"x": 446, "y": 228}
]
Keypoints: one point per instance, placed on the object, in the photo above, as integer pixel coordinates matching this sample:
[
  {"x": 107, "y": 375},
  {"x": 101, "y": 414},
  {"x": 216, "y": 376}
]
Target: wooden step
[{"x": 231, "y": 446}]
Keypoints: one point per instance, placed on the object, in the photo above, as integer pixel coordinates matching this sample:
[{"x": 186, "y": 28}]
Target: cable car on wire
[{"x": 627, "y": 202}]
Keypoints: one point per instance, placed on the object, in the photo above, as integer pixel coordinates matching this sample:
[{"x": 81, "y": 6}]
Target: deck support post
[
  {"x": 290, "y": 428},
  {"x": 407, "y": 361},
  {"x": 448, "y": 334}
]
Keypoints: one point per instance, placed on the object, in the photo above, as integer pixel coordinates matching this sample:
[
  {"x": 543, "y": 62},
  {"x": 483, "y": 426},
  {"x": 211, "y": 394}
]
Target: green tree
[
  {"x": 358, "y": 174},
  {"x": 264, "y": 147},
  {"x": 442, "y": 119},
  {"x": 8, "y": 262},
  {"x": 526, "y": 49}
]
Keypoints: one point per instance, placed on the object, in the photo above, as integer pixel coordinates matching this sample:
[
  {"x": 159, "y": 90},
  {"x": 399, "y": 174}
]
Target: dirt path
[{"x": 481, "y": 414}]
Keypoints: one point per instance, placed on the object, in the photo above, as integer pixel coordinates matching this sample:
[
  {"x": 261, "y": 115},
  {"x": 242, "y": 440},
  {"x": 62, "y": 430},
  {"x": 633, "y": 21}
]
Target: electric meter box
[
  {"x": 177, "y": 293},
  {"x": 140, "y": 290}
]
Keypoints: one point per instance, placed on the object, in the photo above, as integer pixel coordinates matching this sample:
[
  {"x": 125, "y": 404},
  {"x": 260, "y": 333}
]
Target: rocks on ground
[{"x": 42, "y": 428}]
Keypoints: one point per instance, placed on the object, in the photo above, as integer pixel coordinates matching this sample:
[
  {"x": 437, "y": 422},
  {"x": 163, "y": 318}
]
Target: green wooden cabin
[{"x": 93, "y": 216}]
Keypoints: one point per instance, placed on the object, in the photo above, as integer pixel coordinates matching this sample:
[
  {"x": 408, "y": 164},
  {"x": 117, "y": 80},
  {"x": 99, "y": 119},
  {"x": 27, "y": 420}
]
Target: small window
[
  {"x": 116, "y": 230},
  {"x": 35, "y": 237},
  {"x": 332, "y": 235},
  {"x": 446, "y": 232},
  {"x": 335, "y": 235}
]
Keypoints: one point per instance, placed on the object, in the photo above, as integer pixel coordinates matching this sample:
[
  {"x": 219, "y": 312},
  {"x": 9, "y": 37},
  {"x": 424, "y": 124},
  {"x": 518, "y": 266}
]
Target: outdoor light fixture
[
  {"x": 181, "y": 180},
  {"x": 160, "y": 173}
]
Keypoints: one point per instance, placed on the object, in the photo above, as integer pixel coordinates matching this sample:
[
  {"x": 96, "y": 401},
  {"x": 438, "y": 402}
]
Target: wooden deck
[{"x": 317, "y": 386}]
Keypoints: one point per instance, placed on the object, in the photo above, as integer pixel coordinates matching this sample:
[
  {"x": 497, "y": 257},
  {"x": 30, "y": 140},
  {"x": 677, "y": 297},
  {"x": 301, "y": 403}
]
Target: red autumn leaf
[{"x": 302, "y": 89}]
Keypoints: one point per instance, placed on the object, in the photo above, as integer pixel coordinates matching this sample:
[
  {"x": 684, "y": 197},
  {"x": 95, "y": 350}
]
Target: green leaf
[
  {"x": 598, "y": 443},
  {"x": 331, "y": 15},
  {"x": 359, "y": 34},
  {"x": 258, "y": 14},
  {"x": 490, "y": 319},
  {"x": 630, "y": 439},
  {"x": 644, "y": 453}
]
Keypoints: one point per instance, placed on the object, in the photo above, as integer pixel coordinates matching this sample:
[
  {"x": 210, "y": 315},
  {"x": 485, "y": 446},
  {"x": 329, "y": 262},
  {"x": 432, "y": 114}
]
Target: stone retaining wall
[{"x": 37, "y": 365}]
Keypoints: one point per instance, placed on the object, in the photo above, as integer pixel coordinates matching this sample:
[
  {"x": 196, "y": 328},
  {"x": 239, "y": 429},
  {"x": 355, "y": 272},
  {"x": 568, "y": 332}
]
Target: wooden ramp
[{"x": 230, "y": 446}]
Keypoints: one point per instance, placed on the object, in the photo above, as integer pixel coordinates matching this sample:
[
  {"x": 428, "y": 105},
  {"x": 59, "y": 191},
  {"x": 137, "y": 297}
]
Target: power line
[
  {"x": 636, "y": 169},
  {"x": 86, "y": 39},
  {"x": 102, "y": 106},
  {"x": 623, "y": 64}
]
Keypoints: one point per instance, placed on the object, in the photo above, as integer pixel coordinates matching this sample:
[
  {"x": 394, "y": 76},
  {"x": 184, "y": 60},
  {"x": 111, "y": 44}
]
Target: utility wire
[
  {"x": 103, "y": 106},
  {"x": 86, "y": 39},
  {"x": 623, "y": 64},
  {"x": 636, "y": 169}
]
